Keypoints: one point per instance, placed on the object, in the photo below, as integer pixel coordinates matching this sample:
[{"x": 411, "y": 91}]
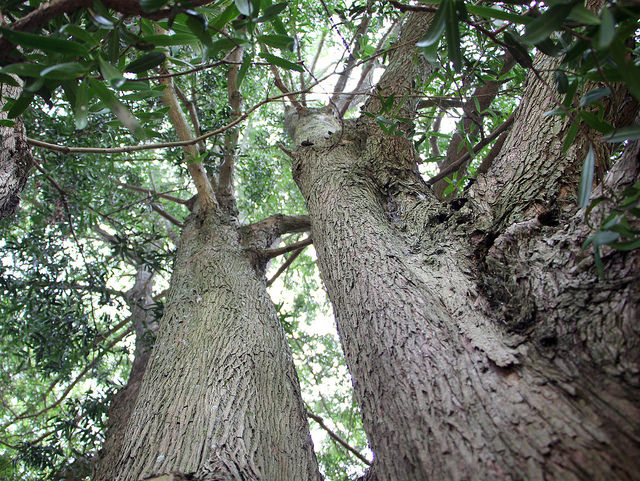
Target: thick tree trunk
[
  {"x": 472, "y": 359},
  {"x": 15, "y": 157},
  {"x": 143, "y": 316},
  {"x": 220, "y": 399}
]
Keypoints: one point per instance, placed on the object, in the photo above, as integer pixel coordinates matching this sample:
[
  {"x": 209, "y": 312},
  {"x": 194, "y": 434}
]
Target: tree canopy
[{"x": 130, "y": 108}]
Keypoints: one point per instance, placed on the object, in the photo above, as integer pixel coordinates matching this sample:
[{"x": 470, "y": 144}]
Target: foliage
[{"x": 92, "y": 78}]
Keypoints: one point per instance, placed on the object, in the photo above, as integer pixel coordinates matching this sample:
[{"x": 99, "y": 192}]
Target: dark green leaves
[
  {"x": 594, "y": 95},
  {"x": 586, "y": 179},
  {"x": 46, "y": 44},
  {"x": 283, "y": 42},
  {"x": 152, "y": 5},
  {"x": 607, "y": 30},
  {"x": 625, "y": 133},
  {"x": 146, "y": 62},
  {"x": 446, "y": 20},
  {"x": 543, "y": 26},
  {"x": 281, "y": 62}
]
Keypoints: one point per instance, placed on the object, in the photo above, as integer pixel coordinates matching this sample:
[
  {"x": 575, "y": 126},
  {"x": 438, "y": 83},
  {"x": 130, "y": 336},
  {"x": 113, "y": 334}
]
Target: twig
[
  {"x": 476, "y": 148},
  {"x": 154, "y": 193},
  {"x": 166, "y": 215},
  {"x": 286, "y": 265},
  {"x": 337, "y": 438}
]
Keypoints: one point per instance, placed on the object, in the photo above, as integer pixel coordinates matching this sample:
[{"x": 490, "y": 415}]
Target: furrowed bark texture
[
  {"x": 513, "y": 189},
  {"x": 220, "y": 399},
  {"x": 446, "y": 390},
  {"x": 15, "y": 157},
  {"x": 141, "y": 304}
]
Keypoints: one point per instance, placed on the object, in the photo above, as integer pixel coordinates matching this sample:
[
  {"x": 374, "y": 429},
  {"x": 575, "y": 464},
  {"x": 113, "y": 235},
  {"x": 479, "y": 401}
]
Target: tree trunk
[
  {"x": 454, "y": 382},
  {"x": 220, "y": 398},
  {"x": 15, "y": 157}
]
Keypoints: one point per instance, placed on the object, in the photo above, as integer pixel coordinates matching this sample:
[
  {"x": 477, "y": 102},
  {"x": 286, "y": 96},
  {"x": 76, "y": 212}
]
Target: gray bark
[
  {"x": 220, "y": 398},
  {"x": 15, "y": 157},
  {"x": 480, "y": 341}
]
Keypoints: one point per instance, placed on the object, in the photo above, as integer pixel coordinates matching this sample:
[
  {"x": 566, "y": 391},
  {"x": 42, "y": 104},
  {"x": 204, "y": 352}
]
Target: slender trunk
[
  {"x": 15, "y": 157},
  {"x": 447, "y": 387},
  {"x": 220, "y": 399}
]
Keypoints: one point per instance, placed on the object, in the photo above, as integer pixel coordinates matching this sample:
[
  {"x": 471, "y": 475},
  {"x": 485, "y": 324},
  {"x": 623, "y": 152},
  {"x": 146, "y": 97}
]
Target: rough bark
[
  {"x": 473, "y": 356},
  {"x": 143, "y": 315},
  {"x": 446, "y": 391},
  {"x": 15, "y": 157},
  {"x": 220, "y": 399}
]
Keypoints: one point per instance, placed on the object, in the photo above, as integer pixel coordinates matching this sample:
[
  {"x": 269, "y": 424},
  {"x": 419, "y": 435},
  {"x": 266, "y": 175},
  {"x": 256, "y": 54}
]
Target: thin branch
[
  {"x": 271, "y": 253},
  {"x": 351, "y": 60},
  {"x": 153, "y": 193},
  {"x": 337, "y": 438},
  {"x": 283, "y": 88},
  {"x": 193, "y": 114},
  {"x": 160, "y": 145},
  {"x": 483, "y": 168},
  {"x": 317, "y": 54},
  {"x": 285, "y": 265},
  {"x": 70, "y": 387},
  {"x": 166, "y": 215},
  {"x": 476, "y": 148}
]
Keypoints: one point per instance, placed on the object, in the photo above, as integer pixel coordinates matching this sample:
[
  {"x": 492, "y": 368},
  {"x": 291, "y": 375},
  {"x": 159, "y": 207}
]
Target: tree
[{"x": 479, "y": 336}]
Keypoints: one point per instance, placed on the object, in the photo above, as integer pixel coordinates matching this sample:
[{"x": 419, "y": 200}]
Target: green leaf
[
  {"x": 625, "y": 133},
  {"x": 79, "y": 33},
  {"x": 627, "y": 69},
  {"x": 81, "y": 106},
  {"x": 494, "y": 13},
  {"x": 452, "y": 29},
  {"x": 607, "y": 30},
  {"x": 146, "y": 62},
  {"x": 245, "y": 7},
  {"x": 601, "y": 238},
  {"x": 198, "y": 25},
  {"x": 111, "y": 74},
  {"x": 626, "y": 246},
  {"x": 63, "y": 71},
  {"x": 8, "y": 80},
  {"x": 7, "y": 123},
  {"x": 586, "y": 179},
  {"x": 152, "y": 5},
  {"x": 543, "y": 26},
  {"x": 171, "y": 40},
  {"x": 436, "y": 27},
  {"x": 281, "y": 62},
  {"x": 283, "y": 42},
  {"x": 20, "y": 105},
  {"x": 246, "y": 62},
  {"x": 562, "y": 82},
  {"x": 225, "y": 17},
  {"x": 571, "y": 135},
  {"x": 272, "y": 11},
  {"x": 117, "y": 107},
  {"x": 594, "y": 95},
  {"x": 580, "y": 13},
  {"x": 46, "y": 44},
  {"x": 596, "y": 123}
]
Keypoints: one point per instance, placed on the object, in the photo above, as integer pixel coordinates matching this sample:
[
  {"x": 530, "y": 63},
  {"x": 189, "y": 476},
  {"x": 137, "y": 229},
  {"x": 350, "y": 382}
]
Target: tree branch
[
  {"x": 162, "y": 195},
  {"x": 271, "y": 253},
  {"x": 285, "y": 265},
  {"x": 225, "y": 178},
  {"x": 337, "y": 438},
  {"x": 166, "y": 215},
  {"x": 160, "y": 145},
  {"x": 337, "y": 98},
  {"x": 206, "y": 194},
  {"x": 476, "y": 148}
]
